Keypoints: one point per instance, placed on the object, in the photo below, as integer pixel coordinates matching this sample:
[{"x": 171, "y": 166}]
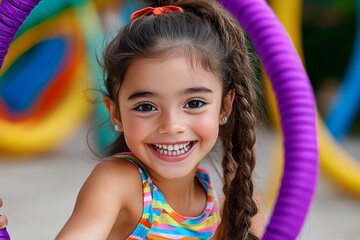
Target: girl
[{"x": 178, "y": 78}]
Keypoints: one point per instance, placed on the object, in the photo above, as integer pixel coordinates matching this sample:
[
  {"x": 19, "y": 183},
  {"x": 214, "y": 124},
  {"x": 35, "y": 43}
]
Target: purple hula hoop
[
  {"x": 297, "y": 110},
  {"x": 12, "y": 14}
]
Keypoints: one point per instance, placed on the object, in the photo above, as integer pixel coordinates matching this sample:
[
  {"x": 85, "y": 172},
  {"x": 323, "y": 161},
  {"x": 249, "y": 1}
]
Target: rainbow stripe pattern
[{"x": 159, "y": 221}]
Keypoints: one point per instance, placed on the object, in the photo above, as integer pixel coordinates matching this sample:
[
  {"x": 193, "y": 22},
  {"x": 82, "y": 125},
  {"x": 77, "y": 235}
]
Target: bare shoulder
[
  {"x": 116, "y": 179},
  {"x": 116, "y": 169},
  {"x": 113, "y": 175},
  {"x": 109, "y": 190}
]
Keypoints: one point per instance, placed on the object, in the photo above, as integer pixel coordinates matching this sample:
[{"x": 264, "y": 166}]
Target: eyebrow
[
  {"x": 136, "y": 95},
  {"x": 187, "y": 91},
  {"x": 197, "y": 90}
]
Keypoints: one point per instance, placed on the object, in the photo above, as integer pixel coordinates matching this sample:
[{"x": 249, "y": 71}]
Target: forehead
[{"x": 168, "y": 75}]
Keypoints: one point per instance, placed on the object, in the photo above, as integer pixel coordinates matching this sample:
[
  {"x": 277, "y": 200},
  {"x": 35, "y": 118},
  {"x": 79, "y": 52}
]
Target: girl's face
[{"x": 170, "y": 112}]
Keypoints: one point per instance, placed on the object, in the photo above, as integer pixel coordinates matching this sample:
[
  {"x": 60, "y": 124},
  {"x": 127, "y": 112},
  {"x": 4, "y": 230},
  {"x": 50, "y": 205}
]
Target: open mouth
[{"x": 173, "y": 149}]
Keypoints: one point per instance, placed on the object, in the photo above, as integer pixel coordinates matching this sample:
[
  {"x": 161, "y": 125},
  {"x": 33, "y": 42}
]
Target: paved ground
[{"x": 39, "y": 192}]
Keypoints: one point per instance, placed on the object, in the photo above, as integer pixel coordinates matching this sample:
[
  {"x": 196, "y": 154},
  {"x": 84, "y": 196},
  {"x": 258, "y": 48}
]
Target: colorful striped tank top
[{"x": 160, "y": 221}]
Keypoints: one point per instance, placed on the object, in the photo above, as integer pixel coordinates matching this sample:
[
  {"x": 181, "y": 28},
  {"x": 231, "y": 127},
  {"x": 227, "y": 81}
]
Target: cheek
[
  {"x": 134, "y": 124},
  {"x": 136, "y": 127},
  {"x": 207, "y": 126}
]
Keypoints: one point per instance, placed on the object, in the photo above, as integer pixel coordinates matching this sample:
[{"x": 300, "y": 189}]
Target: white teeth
[
  {"x": 172, "y": 150},
  {"x": 171, "y": 147}
]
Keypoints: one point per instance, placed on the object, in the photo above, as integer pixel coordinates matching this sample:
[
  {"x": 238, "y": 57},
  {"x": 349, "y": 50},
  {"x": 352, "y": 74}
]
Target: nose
[{"x": 171, "y": 123}]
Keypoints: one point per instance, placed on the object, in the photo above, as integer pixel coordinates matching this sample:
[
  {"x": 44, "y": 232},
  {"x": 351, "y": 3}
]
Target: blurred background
[{"x": 53, "y": 128}]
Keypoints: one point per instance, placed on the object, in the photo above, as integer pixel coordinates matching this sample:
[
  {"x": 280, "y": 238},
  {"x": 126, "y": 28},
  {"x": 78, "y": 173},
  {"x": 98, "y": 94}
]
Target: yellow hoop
[{"x": 35, "y": 136}]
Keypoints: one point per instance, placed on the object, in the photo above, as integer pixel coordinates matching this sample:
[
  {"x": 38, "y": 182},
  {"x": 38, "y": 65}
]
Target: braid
[{"x": 229, "y": 165}]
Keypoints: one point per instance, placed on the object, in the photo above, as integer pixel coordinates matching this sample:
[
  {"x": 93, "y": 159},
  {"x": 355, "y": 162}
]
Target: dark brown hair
[{"x": 206, "y": 32}]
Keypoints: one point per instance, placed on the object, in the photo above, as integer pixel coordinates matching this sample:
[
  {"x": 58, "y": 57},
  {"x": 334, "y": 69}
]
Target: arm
[{"x": 102, "y": 197}]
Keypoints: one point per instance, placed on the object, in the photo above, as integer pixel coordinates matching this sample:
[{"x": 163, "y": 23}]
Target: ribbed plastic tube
[
  {"x": 296, "y": 103},
  {"x": 12, "y": 14}
]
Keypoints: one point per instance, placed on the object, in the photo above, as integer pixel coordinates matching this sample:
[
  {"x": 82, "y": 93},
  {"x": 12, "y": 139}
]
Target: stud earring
[
  {"x": 116, "y": 128},
  {"x": 224, "y": 119}
]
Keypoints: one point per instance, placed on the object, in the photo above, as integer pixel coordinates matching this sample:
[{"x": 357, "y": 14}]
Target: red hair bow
[{"x": 156, "y": 11}]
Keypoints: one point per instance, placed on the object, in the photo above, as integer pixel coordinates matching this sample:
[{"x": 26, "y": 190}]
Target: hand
[{"x": 3, "y": 219}]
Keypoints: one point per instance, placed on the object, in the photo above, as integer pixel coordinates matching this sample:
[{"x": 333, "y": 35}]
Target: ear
[
  {"x": 227, "y": 104},
  {"x": 113, "y": 111}
]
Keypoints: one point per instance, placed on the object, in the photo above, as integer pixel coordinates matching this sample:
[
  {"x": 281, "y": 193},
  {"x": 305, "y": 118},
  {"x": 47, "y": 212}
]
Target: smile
[{"x": 172, "y": 149}]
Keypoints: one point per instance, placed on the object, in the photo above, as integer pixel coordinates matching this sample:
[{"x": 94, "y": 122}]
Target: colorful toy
[
  {"x": 59, "y": 105},
  {"x": 53, "y": 104},
  {"x": 346, "y": 103}
]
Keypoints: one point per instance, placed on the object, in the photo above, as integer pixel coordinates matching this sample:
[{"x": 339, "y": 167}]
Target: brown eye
[
  {"x": 194, "y": 104},
  {"x": 146, "y": 107}
]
